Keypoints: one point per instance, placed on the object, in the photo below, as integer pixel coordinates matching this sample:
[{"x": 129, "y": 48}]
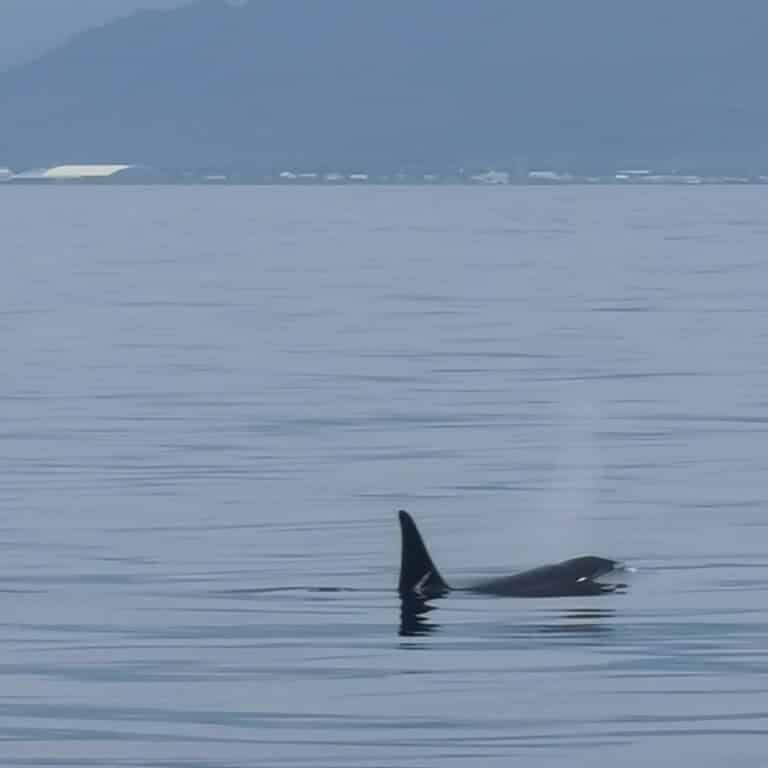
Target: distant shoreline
[{"x": 13, "y": 183}]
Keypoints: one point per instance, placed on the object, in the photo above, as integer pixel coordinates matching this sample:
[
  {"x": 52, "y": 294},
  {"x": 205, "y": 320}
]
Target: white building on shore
[
  {"x": 82, "y": 172},
  {"x": 112, "y": 173}
]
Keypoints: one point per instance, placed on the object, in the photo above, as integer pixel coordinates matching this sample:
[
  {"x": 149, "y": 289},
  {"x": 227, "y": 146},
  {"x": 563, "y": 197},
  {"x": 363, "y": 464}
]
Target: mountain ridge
[{"x": 344, "y": 84}]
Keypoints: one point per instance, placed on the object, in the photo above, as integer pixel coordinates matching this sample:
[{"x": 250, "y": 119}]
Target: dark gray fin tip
[{"x": 418, "y": 574}]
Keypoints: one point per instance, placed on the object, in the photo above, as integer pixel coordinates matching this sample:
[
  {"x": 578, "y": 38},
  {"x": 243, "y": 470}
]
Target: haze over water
[{"x": 213, "y": 401}]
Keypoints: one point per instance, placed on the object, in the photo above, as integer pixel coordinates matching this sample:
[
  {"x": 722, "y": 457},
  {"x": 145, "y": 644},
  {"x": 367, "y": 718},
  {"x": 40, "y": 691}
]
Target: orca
[{"x": 420, "y": 578}]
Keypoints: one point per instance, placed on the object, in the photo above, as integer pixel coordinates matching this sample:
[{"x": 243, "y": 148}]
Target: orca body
[{"x": 420, "y": 578}]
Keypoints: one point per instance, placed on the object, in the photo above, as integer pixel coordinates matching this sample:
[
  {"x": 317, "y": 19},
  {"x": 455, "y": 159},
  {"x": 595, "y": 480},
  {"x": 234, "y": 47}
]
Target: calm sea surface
[{"x": 213, "y": 401}]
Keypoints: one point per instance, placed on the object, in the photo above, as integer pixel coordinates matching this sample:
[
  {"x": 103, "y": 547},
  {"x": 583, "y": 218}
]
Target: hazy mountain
[
  {"x": 347, "y": 83},
  {"x": 30, "y": 27}
]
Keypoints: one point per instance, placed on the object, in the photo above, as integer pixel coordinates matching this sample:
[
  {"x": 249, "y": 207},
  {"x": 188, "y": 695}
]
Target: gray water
[{"x": 213, "y": 401}]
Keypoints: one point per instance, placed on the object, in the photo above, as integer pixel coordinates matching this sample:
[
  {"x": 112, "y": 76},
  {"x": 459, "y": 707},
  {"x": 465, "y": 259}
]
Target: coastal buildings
[{"x": 121, "y": 173}]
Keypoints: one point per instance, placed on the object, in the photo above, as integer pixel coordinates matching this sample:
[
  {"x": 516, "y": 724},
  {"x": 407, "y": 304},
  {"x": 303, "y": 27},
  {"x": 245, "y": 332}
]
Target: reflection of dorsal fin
[{"x": 418, "y": 574}]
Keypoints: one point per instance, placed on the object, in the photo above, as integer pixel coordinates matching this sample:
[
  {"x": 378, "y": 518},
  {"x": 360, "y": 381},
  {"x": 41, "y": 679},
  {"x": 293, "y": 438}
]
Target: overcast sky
[{"x": 29, "y": 27}]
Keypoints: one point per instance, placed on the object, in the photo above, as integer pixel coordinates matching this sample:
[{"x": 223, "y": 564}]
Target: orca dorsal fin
[{"x": 418, "y": 574}]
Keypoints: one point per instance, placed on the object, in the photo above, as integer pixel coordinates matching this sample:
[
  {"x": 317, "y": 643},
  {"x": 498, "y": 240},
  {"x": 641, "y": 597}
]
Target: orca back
[{"x": 569, "y": 578}]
